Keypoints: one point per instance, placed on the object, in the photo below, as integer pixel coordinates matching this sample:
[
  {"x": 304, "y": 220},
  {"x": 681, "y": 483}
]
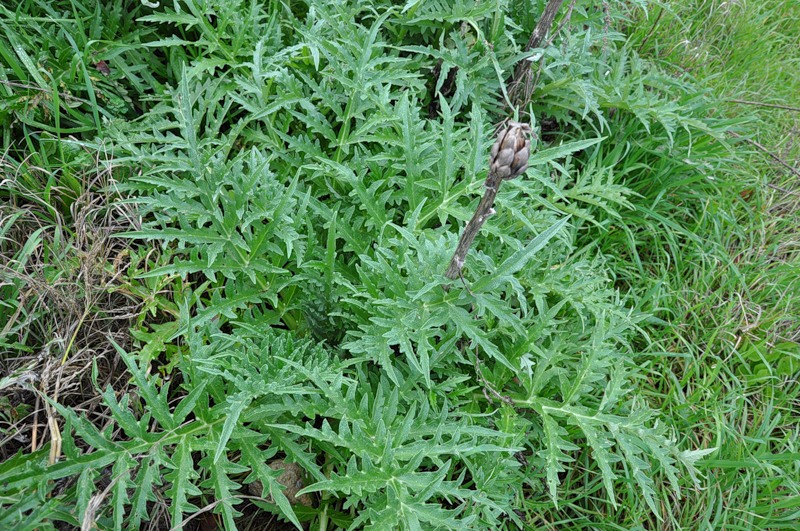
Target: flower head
[{"x": 511, "y": 150}]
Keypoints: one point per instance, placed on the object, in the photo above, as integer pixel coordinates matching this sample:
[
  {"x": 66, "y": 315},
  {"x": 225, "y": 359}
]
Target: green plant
[{"x": 300, "y": 173}]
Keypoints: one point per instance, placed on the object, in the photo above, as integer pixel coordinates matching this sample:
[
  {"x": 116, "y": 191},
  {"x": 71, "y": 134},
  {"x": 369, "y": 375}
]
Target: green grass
[
  {"x": 736, "y": 317},
  {"x": 225, "y": 227}
]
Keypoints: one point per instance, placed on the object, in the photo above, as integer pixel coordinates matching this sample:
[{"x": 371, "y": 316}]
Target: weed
[{"x": 237, "y": 312}]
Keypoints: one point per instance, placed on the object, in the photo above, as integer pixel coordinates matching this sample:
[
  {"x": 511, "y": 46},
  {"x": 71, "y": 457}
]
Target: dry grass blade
[{"x": 67, "y": 304}]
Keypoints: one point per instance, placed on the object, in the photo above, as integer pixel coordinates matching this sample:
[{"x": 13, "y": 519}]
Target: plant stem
[
  {"x": 520, "y": 81},
  {"x": 770, "y": 105},
  {"x": 323, "y": 519},
  {"x": 766, "y": 151},
  {"x": 474, "y": 225}
]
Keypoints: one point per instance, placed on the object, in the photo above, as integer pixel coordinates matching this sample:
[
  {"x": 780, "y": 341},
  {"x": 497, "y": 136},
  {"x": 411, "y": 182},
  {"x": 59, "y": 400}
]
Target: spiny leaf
[
  {"x": 518, "y": 260},
  {"x": 181, "y": 480}
]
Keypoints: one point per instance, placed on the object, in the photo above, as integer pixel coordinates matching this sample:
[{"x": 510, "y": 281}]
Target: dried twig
[
  {"x": 760, "y": 104},
  {"x": 474, "y": 225},
  {"x": 772, "y": 155},
  {"x": 561, "y": 26},
  {"x": 520, "y": 86},
  {"x": 783, "y": 190}
]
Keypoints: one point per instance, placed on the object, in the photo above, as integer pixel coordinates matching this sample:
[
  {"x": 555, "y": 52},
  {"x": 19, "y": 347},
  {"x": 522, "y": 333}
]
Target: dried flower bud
[{"x": 510, "y": 153}]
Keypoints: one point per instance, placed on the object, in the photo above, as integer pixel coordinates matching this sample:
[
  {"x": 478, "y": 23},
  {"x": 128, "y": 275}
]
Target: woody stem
[{"x": 474, "y": 225}]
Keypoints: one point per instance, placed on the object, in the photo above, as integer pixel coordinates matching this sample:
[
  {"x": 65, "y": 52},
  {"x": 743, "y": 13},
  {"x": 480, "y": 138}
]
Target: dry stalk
[
  {"x": 521, "y": 86},
  {"x": 561, "y": 26},
  {"x": 474, "y": 225},
  {"x": 769, "y": 153},
  {"x": 509, "y": 159},
  {"x": 770, "y": 105}
]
